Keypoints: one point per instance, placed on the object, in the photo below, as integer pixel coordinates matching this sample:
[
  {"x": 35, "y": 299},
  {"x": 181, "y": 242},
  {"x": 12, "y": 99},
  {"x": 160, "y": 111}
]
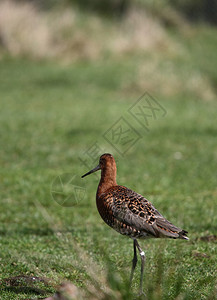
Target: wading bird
[{"x": 129, "y": 213}]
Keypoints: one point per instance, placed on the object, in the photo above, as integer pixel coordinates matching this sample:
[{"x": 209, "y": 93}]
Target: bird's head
[{"x": 106, "y": 162}]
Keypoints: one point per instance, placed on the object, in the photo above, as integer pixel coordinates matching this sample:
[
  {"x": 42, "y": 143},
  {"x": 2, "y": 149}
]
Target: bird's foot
[{"x": 142, "y": 295}]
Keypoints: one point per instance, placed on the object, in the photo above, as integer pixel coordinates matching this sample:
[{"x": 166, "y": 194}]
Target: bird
[{"x": 129, "y": 213}]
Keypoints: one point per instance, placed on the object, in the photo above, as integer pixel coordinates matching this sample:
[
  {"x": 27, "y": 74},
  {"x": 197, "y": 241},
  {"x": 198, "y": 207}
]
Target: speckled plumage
[{"x": 129, "y": 213}]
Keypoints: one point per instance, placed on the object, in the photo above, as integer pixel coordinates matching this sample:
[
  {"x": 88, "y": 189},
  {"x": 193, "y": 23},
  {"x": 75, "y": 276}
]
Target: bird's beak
[{"x": 92, "y": 171}]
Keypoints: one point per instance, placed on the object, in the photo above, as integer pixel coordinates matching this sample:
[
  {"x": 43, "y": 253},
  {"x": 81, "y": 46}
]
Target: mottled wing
[{"x": 135, "y": 211}]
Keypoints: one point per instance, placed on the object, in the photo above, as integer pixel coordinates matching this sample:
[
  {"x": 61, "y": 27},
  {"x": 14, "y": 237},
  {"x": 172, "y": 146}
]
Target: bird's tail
[
  {"x": 167, "y": 229},
  {"x": 183, "y": 235}
]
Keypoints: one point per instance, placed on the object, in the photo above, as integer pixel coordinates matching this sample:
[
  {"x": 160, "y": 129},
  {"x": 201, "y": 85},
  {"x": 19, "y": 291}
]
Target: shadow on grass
[
  {"x": 25, "y": 290},
  {"x": 24, "y": 284},
  {"x": 32, "y": 231}
]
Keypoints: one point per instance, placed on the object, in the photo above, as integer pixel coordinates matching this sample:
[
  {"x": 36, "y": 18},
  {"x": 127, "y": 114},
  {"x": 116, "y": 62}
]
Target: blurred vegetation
[
  {"x": 72, "y": 30},
  {"x": 115, "y": 8},
  {"x": 194, "y": 10},
  {"x": 198, "y": 10}
]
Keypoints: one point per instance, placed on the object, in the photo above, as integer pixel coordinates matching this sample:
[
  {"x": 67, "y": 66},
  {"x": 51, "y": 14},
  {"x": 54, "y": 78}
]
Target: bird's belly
[
  {"x": 120, "y": 226},
  {"x": 130, "y": 231}
]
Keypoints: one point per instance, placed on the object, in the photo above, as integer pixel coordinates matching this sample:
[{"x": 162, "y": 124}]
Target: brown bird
[{"x": 129, "y": 213}]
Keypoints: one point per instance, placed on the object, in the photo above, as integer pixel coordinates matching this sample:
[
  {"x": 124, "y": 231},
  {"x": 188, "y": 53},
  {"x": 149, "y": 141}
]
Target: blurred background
[
  {"x": 170, "y": 46},
  {"x": 69, "y": 72}
]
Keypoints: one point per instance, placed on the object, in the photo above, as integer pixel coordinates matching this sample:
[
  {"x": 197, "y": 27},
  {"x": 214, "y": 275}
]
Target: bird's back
[{"x": 131, "y": 214}]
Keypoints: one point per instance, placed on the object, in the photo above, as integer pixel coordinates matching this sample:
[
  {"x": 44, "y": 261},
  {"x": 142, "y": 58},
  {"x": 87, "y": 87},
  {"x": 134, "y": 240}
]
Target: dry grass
[
  {"x": 70, "y": 35},
  {"x": 169, "y": 82},
  {"x": 165, "y": 77},
  {"x": 24, "y": 31},
  {"x": 139, "y": 32}
]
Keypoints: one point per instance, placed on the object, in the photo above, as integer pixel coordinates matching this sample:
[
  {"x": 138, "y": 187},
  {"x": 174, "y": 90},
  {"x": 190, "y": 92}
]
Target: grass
[{"x": 50, "y": 115}]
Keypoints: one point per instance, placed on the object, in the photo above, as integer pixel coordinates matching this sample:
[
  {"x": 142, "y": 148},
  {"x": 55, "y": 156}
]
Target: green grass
[{"x": 50, "y": 115}]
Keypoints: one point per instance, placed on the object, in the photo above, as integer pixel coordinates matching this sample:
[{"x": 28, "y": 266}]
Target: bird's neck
[{"x": 108, "y": 179}]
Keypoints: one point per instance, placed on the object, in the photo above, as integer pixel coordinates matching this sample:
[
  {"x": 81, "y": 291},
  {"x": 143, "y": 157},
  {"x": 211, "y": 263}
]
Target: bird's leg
[
  {"x": 142, "y": 255},
  {"x": 134, "y": 261}
]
